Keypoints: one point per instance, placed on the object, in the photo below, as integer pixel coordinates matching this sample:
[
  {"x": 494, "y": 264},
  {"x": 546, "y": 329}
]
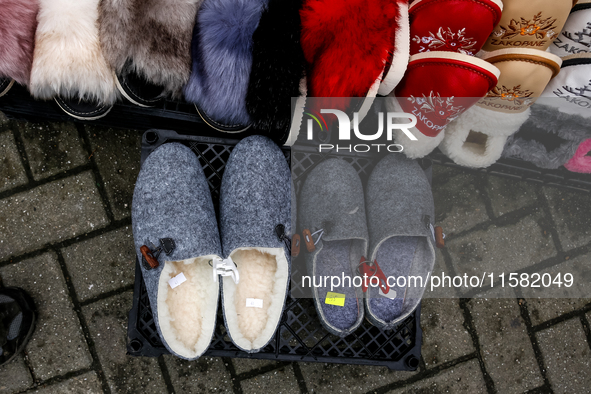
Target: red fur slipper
[{"x": 347, "y": 45}]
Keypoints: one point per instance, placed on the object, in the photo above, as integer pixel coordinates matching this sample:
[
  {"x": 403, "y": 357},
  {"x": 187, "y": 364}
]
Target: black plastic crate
[{"x": 300, "y": 336}]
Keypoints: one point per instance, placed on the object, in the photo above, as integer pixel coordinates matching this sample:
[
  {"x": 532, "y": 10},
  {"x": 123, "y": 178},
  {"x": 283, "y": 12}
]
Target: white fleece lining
[
  {"x": 474, "y": 61},
  {"x": 401, "y": 54},
  {"x": 496, "y": 126},
  {"x": 413, "y": 149},
  {"x": 298, "y": 114},
  {"x": 264, "y": 273},
  {"x": 187, "y": 313}
]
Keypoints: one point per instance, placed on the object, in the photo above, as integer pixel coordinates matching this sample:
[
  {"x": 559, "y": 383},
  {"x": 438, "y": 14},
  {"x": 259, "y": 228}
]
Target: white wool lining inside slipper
[
  {"x": 477, "y": 138},
  {"x": 264, "y": 274},
  {"x": 187, "y": 313}
]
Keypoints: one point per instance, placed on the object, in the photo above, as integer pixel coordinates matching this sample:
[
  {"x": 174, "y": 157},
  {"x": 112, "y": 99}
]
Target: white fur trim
[
  {"x": 496, "y": 126},
  {"x": 273, "y": 311},
  {"x": 413, "y": 149},
  {"x": 460, "y": 57},
  {"x": 200, "y": 295},
  {"x": 298, "y": 115},
  {"x": 401, "y": 54},
  {"x": 68, "y": 61}
]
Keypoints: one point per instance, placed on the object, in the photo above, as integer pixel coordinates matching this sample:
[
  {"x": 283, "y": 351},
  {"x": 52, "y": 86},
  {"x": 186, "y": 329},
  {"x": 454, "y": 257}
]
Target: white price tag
[
  {"x": 254, "y": 303},
  {"x": 177, "y": 280},
  {"x": 391, "y": 294}
]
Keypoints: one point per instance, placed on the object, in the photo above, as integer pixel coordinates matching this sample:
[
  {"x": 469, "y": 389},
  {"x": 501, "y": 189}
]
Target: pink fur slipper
[
  {"x": 17, "y": 38},
  {"x": 581, "y": 161}
]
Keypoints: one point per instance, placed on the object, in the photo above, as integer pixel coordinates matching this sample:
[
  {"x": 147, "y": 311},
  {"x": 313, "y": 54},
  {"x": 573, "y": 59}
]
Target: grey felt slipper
[
  {"x": 176, "y": 239},
  {"x": 400, "y": 215},
  {"x": 332, "y": 209},
  {"x": 255, "y": 224}
]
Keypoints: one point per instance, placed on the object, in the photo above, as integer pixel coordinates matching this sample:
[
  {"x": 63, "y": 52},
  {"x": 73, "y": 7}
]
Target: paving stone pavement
[{"x": 65, "y": 237}]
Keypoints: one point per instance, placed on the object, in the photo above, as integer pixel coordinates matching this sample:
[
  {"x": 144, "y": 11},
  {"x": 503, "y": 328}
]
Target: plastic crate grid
[{"x": 300, "y": 336}]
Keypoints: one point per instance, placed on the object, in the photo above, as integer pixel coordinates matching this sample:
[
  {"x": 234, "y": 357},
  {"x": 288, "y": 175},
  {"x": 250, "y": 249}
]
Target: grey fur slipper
[
  {"x": 177, "y": 240},
  {"x": 549, "y": 138},
  {"x": 332, "y": 209},
  {"x": 400, "y": 217},
  {"x": 255, "y": 224}
]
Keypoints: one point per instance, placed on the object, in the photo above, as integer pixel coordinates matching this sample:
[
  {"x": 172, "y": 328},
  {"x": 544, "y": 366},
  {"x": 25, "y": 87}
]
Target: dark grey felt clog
[
  {"x": 332, "y": 207},
  {"x": 173, "y": 216},
  {"x": 255, "y": 224},
  {"x": 400, "y": 217}
]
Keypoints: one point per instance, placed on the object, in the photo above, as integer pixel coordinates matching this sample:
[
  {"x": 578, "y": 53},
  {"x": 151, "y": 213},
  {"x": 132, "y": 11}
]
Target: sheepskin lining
[
  {"x": 187, "y": 313},
  {"x": 476, "y": 142},
  {"x": 264, "y": 273}
]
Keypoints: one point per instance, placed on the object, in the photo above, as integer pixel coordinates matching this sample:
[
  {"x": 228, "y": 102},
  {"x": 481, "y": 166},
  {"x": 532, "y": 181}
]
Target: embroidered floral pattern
[
  {"x": 516, "y": 95},
  {"x": 438, "y": 107},
  {"x": 446, "y": 40},
  {"x": 538, "y": 27}
]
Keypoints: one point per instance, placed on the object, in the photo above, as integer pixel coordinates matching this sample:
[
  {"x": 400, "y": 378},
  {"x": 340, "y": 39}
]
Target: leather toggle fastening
[
  {"x": 150, "y": 257},
  {"x": 295, "y": 245},
  {"x": 225, "y": 267}
]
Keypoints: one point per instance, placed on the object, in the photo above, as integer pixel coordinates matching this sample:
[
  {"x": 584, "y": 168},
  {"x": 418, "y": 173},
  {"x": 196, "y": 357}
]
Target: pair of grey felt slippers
[
  {"x": 187, "y": 262},
  {"x": 385, "y": 235}
]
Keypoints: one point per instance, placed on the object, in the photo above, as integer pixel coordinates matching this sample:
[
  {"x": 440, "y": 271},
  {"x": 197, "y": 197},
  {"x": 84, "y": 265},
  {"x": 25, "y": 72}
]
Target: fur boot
[
  {"x": 347, "y": 44},
  {"x": 151, "y": 38},
  {"x": 549, "y": 138},
  {"x": 222, "y": 58},
  {"x": 277, "y": 66},
  {"x": 18, "y": 21},
  {"x": 68, "y": 61}
]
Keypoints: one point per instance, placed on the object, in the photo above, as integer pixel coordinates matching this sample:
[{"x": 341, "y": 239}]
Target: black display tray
[
  {"x": 166, "y": 114},
  {"x": 300, "y": 336}
]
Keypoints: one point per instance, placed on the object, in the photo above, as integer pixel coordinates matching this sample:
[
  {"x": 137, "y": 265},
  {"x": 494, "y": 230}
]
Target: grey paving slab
[
  {"x": 243, "y": 365},
  {"x": 462, "y": 378},
  {"x": 548, "y": 303},
  {"x": 15, "y": 376},
  {"x": 508, "y": 195},
  {"x": 51, "y": 147},
  {"x": 101, "y": 264},
  {"x": 12, "y": 172},
  {"x": 572, "y": 215},
  {"x": 502, "y": 249},
  {"x": 349, "y": 379},
  {"x": 57, "y": 345},
  {"x": 50, "y": 213},
  {"x": 505, "y": 346},
  {"x": 107, "y": 323},
  {"x": 87, "y": 383},
  {"x": 117, "y": 155},
  {"x": 567, "y": 357},
  {"x": 444, "y": 336},
  {"x": 458, "y": 204},
  {"x": 204, "y": 376},
  {"x": 280, "y": 381}
]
